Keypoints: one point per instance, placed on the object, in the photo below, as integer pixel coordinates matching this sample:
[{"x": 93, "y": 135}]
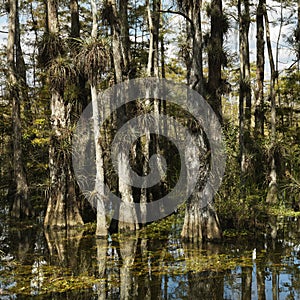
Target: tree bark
[
  {"x": 245, "y": 88},
  {"x": 150, "y": 144},
  {"x": 16, "y": 84},
  {"x": 52, "y": 21},
  {"x": 75, "y": 24},
  {"x": 194, "y": 60},
  {"x": 197, "y": 59},
  {"x": 125, "y": 43},
  {"x": 82, "y": 90},
  {"x": 298, "y": 34},
  {"x": 201, "y": 221},
  {"x": 101, "y": 227},
  {"x": 153, "y": 20},
  {"x": 126, "y": 192},
  {"x": 272, "y": 192},
  {"x": 215, "y": 58},
  {"x": 260, "y": 62},
  {"x": 21, "y": 71},
  {"x": 62, "y": 209}
]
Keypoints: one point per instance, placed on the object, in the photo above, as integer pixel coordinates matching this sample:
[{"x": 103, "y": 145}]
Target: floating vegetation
[
  {"x": 283, "y": 212},
  {"x": 74, "y": 261}
]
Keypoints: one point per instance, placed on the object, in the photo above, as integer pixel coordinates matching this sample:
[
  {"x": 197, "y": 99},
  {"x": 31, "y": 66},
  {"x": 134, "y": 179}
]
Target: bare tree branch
[{"x": 178, "y": 13}]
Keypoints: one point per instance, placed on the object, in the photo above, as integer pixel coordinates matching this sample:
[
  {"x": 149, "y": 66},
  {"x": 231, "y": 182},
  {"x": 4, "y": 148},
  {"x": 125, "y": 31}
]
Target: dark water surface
[{"x": 154, "y": 265}]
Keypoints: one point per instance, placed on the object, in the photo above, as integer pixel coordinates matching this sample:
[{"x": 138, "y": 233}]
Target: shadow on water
[{"x": 73, "y": 264}]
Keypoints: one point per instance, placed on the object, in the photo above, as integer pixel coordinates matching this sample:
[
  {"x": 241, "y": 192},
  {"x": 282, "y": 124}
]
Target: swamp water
[{"x": 153, "y": 264}]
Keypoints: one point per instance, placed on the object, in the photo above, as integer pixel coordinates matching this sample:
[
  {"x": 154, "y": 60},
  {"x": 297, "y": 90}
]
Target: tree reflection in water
[{"x": 73, "y": 264}]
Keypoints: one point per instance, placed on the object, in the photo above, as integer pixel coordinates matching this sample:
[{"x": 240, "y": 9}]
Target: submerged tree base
[{"x": 200, "y": 224}]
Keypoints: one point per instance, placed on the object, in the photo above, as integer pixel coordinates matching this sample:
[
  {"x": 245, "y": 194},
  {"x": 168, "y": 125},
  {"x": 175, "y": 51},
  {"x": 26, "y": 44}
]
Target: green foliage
[
  {"x": 61, "y": 71},
  {"x": 93, "y": 57},
  {"x": 175, "y": 71},
  {"x": 50, "y": 46},
  {"x": 240, "y": 200}
]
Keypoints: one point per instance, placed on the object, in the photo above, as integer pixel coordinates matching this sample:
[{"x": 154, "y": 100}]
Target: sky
[{"x": 286, "y": 56}]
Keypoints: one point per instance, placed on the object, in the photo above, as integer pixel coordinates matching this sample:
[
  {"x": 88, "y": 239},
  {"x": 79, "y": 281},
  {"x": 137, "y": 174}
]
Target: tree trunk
[
  {"x": 215, "y": 58},
  {"x": 242, "y": 90},
  {"x": 52, "y": 20},
  {"x": 21, "y": 71},
  {"x": 197, "y": 67},
  {"x": 75, "y": 24},
  {"x": 101, "y": 227},
  {"x": 194, "y": 60},
  {"x": 21, "y": 205},
  {"x": 201, "y": 221},
  {"x": 125, "y": 42},
  {"x": 298, "y": 34},
  {"x": 153, "y": 20},
  {"x": 260, "y": 62},
  {"x": 246, "y": 25},
  {"x": 150, "y": 144},
  {"x": 245, "y": 88},
  {"x": 62, "y": 209},
  {"x": 118, "y": 60},
  {"x": 162, "y": 55},
  {"x": 272, "y": 192}
]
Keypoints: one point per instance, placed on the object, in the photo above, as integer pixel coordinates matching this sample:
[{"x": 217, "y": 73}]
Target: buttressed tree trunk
[
  {"x": 201, "y": 221},
  {"x": 62, "y": 209},
  {"x": 17, "y": 87}
]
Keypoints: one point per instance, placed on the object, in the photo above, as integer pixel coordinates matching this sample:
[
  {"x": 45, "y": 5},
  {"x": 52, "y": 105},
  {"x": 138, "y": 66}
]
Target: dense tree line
[{"x": 59, "y": 55}]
